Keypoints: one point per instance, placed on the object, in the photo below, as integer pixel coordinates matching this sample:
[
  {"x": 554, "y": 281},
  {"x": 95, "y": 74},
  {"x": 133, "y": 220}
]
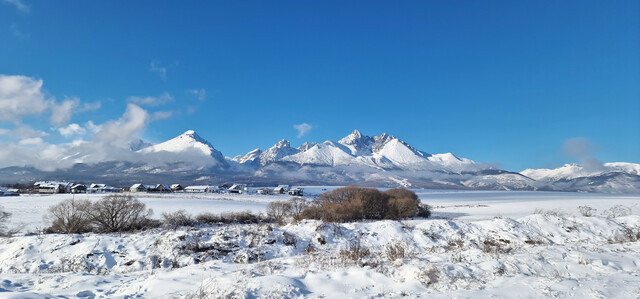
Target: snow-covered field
[{"x": 478, "y": 244}]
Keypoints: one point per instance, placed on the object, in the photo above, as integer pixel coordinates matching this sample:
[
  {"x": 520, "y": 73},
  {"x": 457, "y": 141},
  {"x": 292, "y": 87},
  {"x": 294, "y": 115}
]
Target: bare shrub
[
  {"x": 208, "y": 218},
  {"x": 535, "y": 241},
  {"x": 4, "y": 217},
  {"x": 554, "y": 212},
  {"x": 118, "y": 213},
  {"x": 245, "y": 217},
  {"x": 587, "y": 211},
  {"x": 625, "y": 234},
  {"x": 424, "y": 210},
  {"x": 396, "y": 250},
  {"x": 298, "y": 205},
  {"x": 429, "y": 276},
  {"x": 279, "y": 210},
  {"x": 289, "y": 239},
  {"x": 355, "y": 252},
  {"x": 178, "y": 218},
  {"x": 617, "y": 211},
  {"x": 496, "y": 247},
  {"x": 70, "y": 217}
]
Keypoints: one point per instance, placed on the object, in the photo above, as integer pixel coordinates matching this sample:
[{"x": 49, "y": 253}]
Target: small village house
[
  {"x": 161, "y": 188},
  {"x": 138, "y": 188},
  {"x": 281, "y": 189},
  {"x": 237, "y": 188},
  {"x": 79, "y": 188},
  {"x": 176, "y": 187},
  {"x": 52, "y": 187},
  {"x": 296, "y": 192},
  {"x": 265, "y": 191},
  {"x": 201, "y": 189}
]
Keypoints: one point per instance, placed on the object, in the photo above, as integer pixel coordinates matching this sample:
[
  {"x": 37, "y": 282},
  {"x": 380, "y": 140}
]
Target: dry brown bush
[
  {"x": 356, "y": 203},
  {"x": 177, "y": 219},
  {"x": 119, "y": 213},
  {"x": 70, "y": 217},
  {"x": 355, "y": 252},
  {"x": 279, "y": 210},
  {"x": 4, "y": 216}
]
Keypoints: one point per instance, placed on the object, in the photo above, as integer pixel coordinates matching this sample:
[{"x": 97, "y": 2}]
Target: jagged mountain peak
[
  {"x": 352, "y": 138},
  {"x": 251, "y": 156},
  {"x": 282, "y": 143},
  {"x": 306, "y": 146},
  {"x": 357, "y": 143},
  {"x": 188, "y": 141},
  {"x": 277, "y": 151}
]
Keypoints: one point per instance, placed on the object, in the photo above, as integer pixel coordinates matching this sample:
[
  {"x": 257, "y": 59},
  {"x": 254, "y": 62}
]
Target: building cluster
[
  {"x": 51, "y": 187},
  {"x": 233, "y": 189},
  {"x": 54, "y": 187}
]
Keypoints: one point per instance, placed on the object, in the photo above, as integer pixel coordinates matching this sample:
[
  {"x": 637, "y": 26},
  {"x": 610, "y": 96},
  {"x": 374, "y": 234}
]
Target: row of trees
[{"x": 121, "y": 213}]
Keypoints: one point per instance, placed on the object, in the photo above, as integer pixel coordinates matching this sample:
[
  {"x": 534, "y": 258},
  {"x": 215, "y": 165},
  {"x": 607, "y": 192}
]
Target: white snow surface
[{"x": 487, "y": 244}]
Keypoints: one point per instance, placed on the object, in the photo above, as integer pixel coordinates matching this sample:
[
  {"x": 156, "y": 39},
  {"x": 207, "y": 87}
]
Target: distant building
[
  {"x": 46, "y": 187},
  {"x": 265, "y": 191},
  {"x": 201, "y": 189},
  {"x": 237, "y": 188},
  {"x": 103, "y": 188},
  {"x": 281, "y": 189},
  {"x": 161, "y": 188},
  {"x": 79, "y": 188},
  {"x": 176, "y": 187},
  {"x": 296, "y": 192},
  {"x": 138, "y": 188}
]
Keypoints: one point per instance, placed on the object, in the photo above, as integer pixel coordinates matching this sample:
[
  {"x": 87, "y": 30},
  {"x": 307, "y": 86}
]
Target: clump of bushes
[
  {"x": 282, "y": 211},
  {"x": 4, "y": 217},
  {"x": 356, "y": 203},
  {"x": 182, "y": 218},
  {"x": 113, "y": 213}
]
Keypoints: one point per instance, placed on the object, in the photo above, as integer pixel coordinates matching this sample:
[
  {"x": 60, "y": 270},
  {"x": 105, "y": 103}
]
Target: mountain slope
[{"x": 188, "y": 143}]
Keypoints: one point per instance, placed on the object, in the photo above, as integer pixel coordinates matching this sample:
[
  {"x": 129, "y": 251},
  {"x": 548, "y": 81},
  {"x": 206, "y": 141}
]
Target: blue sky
[{"x": 506, "y": 81}]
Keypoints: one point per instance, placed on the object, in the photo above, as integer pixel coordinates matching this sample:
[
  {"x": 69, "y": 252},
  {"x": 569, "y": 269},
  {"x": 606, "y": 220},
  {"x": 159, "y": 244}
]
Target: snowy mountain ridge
[
  {"x": 356, "y": 159},
  {"x": 572, "y": 171}
]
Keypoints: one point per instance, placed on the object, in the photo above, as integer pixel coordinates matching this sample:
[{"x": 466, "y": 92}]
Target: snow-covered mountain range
[{"x": 381, "y": 160}]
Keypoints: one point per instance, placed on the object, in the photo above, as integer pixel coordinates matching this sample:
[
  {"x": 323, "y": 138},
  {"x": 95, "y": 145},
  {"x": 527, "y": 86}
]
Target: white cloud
[
  {"x": 19, "y": 5},
  {"x": 31, "y": 141},
  {"x": 161, "y": 71},
  {"x": 20, "y": 96},
  {"x": 89, "y": 107},
  {"x": 71, "y": 130},
  {"x": 93, "y": 127},
  {"x": 303, "y": 129},
  {"x": 61, "y": 113},
  {"x": 160, "y": 115},
  {"x": 23, "y": 131},
  {"x": 118, "y": 133},
  {"x": 151, "y": 101},
  {"x": 201, "y": 94}
]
